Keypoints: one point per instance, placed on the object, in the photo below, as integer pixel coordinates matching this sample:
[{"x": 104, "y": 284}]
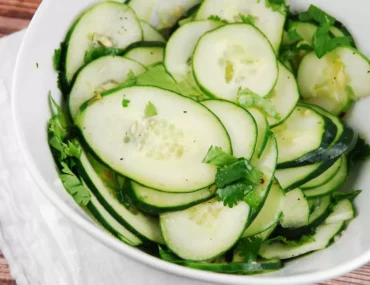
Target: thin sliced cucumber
[
  {"x": 324, "y": 235},
  {"x": 147, "y": 53},
  {"x": 109, "y": 25},
  {"x": 144, "y": 226},
  {"x": 238, "y": 56},
  {"x": 316, "y": 218},
  {"x": 291, "y": 178},
  {"x": 343, "y": 211},
  {"x": 295, "y": 210},
  {"x": 334, "y": 80},
  {"x": 265, "y": 17},
  {"x": 332, "y": 185},
  {"x": 155, "y": 202},
  {"x": 98, "y": 76},
  {"x": 162, "y": 14},
  {"x": 267, "y": 233},
  {"x": 267, "y": 164},
  {"x": 323, "y": 178},
  {"x": 150, "y": 34},
  {"x": 201, "y": 224},
  {"x": 263, "y": 131},
  {"x": 178, "y": 137},
  {"x": 304, "y": 132},
  {"x": 178, "y": 56},
  {"x": 98, "y": 213},
  {"x": 285, "y": 95},
  {"x": 270, "y": 212},
  {"x": 243, "y": 135}
]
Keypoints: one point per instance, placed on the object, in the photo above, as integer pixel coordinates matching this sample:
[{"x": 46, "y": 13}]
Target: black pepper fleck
[
  {"x": 121, "y": 159},
  {"x": 185, "y": 112}
]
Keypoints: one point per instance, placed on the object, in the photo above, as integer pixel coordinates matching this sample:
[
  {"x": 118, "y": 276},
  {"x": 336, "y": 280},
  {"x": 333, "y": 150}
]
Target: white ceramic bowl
[{"x": 31, "y": 112}]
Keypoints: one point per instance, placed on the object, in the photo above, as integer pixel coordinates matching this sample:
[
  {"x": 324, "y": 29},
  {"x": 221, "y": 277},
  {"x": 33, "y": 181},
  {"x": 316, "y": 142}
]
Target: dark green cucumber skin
[
  {"x": 236, "y": 268},
  {"x": 153, "y": 210},
  {"x": 106, "y": 205},
  {"x": 314, "y": 156},
  {"x": 321, "y": 169},
  {"x": 323, "y": 154},
  {"x": 345, "y": 31},
  {"x": 298, "y": 232},
  {"x": 143, "y": 44}
]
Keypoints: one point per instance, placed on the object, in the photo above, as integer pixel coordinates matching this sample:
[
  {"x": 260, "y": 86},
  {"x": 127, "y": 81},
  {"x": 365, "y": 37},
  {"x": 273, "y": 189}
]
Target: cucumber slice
[
  {"x": 179, "y": 137},
  {"x": 243, "y": 135},
  {"x": 201, "y": 224},
  {"x": 109, "y": 24},
  {"x": 98, "y": 213},
  {"x": 291, "y": 178},
  {"x": 285, "y": 95},
  {"x": 238, "y": 56},
  {"x": 304, "y": 132},
  {"x": 323, "y": 178},
  {"x": 140, "y": 224},
  {"x": 332, "y": 185},
  {"x": 334, "y": 80},
  {"x": 295, "y": 210},
  {"x": 181, "y": 45},
  {"x": 98, "y": 76},
  {"x": 270, "y": 212},
  {"x": 267, "y": 19},
  {"x": 150, "y": 34},
  {"x": 267, "y": 164},
  {"x": 162, "y": 14},
  {"x": 146, "y": 54},
  {"x": 343, "y": 211},
  {"x": 155, "y": 202},
  {"x": 324, "y": 235},
  {"x": 263, "y": 131},
  {"x": 316, "y": 218}
]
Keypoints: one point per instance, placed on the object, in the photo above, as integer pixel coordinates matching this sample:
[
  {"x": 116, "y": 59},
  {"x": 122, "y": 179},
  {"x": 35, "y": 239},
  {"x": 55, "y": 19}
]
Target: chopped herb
[
  {"x": 217, "y": 18},
  {"x": 323, "y": 41},
  {"x": 317, "y": 15},
  {"x": 218, "y": 157},
  {"x": 351, "y": 195},
  {"x": 130, "y": 80},
  {"x": 360, "y": 152},
  {"x": 150, "y": 110},
  {"x": 252, "y": 199},
  {"x": 248, "y": 98},
  {"x": 277, "y": 6},
  {"x": 125, "y": 102},
  {"x": 247, "y": 19},
  {"x": 232, "y": 194},
  {"x": 248, "y": 249},
  {"x": 37, "y": 65},
  {"x": 97, "y": 52}
]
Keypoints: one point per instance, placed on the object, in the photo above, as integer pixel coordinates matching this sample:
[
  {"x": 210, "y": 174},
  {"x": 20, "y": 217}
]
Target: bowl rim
[{"x": 131, "y": 252}]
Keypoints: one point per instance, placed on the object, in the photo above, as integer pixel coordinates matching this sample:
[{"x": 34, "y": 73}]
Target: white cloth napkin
[{"x": 40, "y": 244}]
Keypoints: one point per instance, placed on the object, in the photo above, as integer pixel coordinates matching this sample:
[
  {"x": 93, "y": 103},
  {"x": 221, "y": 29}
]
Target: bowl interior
[{"x": 31, "y": 111}]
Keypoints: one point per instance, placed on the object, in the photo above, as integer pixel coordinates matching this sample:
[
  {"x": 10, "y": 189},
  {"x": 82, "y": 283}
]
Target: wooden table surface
[{"x": 15, "y": 15}]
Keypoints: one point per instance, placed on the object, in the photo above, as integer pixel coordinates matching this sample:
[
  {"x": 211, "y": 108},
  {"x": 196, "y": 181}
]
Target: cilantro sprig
[
  {"x": 236, "y": 179},
  {"x": 248, "y": 248},
  {"x": 66, "y": 152}
]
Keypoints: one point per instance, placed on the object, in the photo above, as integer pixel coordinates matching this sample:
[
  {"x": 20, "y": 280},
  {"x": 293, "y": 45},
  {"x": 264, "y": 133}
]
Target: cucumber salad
[{"x": 211, "y": 133}]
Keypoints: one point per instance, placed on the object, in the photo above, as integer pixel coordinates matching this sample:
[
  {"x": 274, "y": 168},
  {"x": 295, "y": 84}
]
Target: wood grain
[{"x": 14, "y": 16}]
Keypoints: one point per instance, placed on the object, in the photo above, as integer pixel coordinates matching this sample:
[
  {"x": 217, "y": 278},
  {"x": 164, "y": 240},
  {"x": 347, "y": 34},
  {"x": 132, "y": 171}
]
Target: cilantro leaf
[
  {"x": 247, "y": 19},
  {"x": 323, "y": 42},
  {"x": 303, "y": 240},
  {"x": 74, "y": 186},
  {"x": 252, "y": 199},
  {"x": 57, "y": 59},
  {"x": 97, "y": 52},
  {"x": 351, "y": 195},
  {"x": 277, "y": 6},
  {"x": 248, "y": 98},
  {"x": 248, "y": 249},
  {"x": 218, "y": 157},
  {"x": 130, "y": 80},
  {"x": 157, "y": 76},
  {"x": 360, "y": 152},
  {"x": 317, "y": 15},
  {"x": 217, "y": 18},
  {"x": 150, "y": 110},
  {"x": 232, "y": 194},
  {"x": 125, "y": 102},
  {"x": 241, "y": 169}
]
